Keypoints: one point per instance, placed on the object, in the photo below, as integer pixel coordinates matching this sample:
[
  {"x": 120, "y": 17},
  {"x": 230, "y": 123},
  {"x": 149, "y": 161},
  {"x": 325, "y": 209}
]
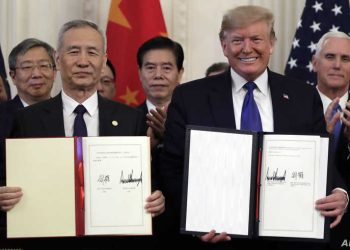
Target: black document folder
[{"x": 254, "y": 184}]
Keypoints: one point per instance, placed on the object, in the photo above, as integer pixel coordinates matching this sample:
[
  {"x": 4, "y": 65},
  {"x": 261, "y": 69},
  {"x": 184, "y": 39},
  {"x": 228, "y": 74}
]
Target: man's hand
[
  {"x": 212, "y": 237},
  {"x": 333, "y": 205},
  {"x": 156, "y": 125},
  {"x": 9, "y": 197},
  {"x": 156, "y": 121},
  {"x": 155, "y": 203}
]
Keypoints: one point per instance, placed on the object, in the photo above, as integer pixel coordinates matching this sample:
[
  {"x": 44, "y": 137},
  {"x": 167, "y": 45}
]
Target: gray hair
[
  {"x": 79, "y": 23},
  {"x": 215, "y": 67},
  {"x": 243, "y": 16},
  {"x": 325, "y": 37},
  {"x": 27, "y": 44}
]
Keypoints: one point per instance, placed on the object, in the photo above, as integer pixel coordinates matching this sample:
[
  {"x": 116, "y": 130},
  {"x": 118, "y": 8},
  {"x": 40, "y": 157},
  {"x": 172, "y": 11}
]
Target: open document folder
[
  {"x": 252, "y": 185},
  {"x": 79, "y": 186}
]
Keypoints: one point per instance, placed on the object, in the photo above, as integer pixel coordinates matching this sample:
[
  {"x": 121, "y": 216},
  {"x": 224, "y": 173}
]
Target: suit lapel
[
  {"x": 52, "y": 117},
  {"x": 280, "y": 103},
  {"x": 104, "y": 113},
  {"x": 108, "y": 118},
  {"x": 143, "y": 107},
  {"x": 16, "y": 103},
  {"x": 221, "y": 103}
]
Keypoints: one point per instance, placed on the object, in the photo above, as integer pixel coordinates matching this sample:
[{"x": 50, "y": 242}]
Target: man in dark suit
[
  {"x": 332, "y": 66},
  {"x": 284, "y": 106},
  {"x": 160, "y": 63},
  {"x": 80, "y": 59},
  {"x": 32, "y": 69},
  {"x": 331, "y": 62}
]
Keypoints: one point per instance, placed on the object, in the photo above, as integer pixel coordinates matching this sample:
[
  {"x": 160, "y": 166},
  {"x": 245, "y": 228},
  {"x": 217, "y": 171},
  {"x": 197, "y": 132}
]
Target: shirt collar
[
  {"x": 69, "y": 104},
  {"x": 326, "y": 100},
  {"x": 239, "y": 81},
  {"x": 24, "y": 103},
  {"x": 150, "y": 105}
]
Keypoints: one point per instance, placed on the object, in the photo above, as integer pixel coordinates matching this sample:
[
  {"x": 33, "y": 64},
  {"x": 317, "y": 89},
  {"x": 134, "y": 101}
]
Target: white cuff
[{"x": 347, "y": 196}]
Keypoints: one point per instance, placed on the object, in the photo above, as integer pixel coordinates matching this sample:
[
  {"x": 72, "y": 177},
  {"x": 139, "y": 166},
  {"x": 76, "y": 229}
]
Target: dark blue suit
[{"x": 297, "y": 108}]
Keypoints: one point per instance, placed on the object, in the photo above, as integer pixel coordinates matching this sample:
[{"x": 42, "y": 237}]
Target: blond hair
[{"x": 243, "y": 16}]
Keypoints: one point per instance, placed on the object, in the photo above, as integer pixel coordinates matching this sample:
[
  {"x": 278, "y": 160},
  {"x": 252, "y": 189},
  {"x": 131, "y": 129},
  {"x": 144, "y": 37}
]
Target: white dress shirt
[
  {"x": 90, "y": 117},
  {"x": 262, "y": 97},
  {"x": 326, "y": 100},
  {"x": 24, "y": 103},
  {"x": 150, "y": 105}
]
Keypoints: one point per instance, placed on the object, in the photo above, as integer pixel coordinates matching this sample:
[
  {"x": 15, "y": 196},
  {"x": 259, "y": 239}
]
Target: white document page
[
  {"x": 44, "y": 169},
  {"x": 117, "y": 179},
  {"x": 219, "y": 182},
  {"x": 321, "y": 191},
  {"x": 290, "y": 185}
]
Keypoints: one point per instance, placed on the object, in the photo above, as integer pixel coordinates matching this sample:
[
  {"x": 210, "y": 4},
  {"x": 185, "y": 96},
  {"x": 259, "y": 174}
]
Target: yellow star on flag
[
  {"x": 130, "y": 97},
  {"x": 116, "y": 15}
]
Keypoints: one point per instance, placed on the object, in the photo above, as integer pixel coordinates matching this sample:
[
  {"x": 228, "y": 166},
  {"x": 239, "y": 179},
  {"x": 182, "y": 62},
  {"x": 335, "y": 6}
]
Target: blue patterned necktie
[
  {"x": 250, "y": 117},
  {"x": 337, "y": 126},
  {"x": 79, "y": 128}
]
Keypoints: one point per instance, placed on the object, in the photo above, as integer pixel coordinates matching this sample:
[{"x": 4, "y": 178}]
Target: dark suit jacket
[
  {"x": 158, "y": 222},
  {"x": 144, "y": 109},
  {"x": 45, "y": 119},
  {"x": 343, "y": 152},
  {"x": 7, "y": 112},
  {"x": 297, "y": 108}
]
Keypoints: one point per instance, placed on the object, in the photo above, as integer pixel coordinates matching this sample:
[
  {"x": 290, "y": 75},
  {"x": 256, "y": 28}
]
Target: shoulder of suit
[
  {"x": 34, "y": 109},
  {"x": 207, "y": 82},
  {"x": 289, "y": 81},
  {"x": 118, "y": 105},
  {"x": 11, "y": 104}
]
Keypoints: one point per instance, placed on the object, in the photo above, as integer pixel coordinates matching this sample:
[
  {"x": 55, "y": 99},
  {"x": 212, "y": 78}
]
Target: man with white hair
[{"x": 331, "y": 62}]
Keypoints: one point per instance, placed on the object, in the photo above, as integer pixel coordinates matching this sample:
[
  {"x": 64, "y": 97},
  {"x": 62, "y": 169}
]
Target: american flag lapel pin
[{"x": 285, "y": 96}]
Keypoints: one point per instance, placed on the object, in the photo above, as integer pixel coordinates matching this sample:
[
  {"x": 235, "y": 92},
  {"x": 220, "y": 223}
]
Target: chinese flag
[{"x": 130, "y": 24}]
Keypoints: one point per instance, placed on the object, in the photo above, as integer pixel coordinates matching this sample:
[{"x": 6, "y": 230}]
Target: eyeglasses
[
  {"x": 42, "y": 67},
  {"x": 107, "y": 81}
]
